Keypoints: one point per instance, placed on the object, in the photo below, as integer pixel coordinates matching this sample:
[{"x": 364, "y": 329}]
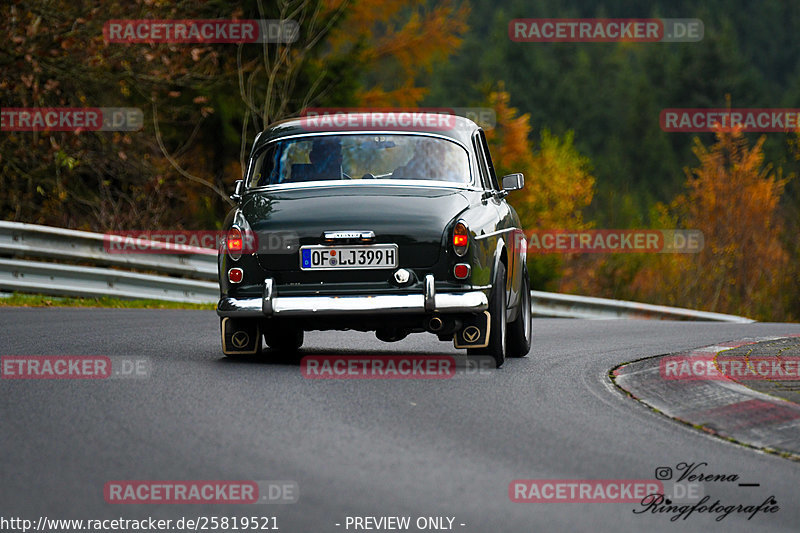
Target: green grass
[{"x": 40, "y": 300}]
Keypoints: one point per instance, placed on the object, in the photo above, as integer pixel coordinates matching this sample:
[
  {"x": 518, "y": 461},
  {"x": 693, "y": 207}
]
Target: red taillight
[
  {"x": 460, "y": 238},
  {"x": 235, "y": 275},
  {"x": 461, "y": 271},
  {"x": 234, "y": 243}
]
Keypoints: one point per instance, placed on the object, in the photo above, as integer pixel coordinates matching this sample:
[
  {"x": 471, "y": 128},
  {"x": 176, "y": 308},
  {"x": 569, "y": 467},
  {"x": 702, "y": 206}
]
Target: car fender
[{"x": 500, "y": 249}]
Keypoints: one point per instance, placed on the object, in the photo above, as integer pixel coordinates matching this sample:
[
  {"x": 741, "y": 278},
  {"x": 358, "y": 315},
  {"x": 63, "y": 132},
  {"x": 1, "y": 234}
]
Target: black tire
[
  {"x": 497, "y": 326},
  {"x": 284, "y": 339},
  {"x": 520, "y": 330}
]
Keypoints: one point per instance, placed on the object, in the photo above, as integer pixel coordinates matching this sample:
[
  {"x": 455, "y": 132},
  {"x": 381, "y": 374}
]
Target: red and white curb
[{"x": 721, "y": 407}]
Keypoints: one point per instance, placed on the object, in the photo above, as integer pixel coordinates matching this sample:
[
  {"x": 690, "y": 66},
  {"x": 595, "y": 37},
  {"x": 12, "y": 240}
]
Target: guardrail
[
  {"x": 58, "y": 244},
  {"x": 551, "y": 304}
]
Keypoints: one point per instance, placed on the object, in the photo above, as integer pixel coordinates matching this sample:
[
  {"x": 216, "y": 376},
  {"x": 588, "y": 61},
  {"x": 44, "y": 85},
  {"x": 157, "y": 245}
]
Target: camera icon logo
[{"x": 663, "y": 473}]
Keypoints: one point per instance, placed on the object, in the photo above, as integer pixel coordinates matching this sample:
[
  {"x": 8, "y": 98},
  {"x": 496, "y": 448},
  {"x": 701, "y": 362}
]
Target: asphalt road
[{"x": 360, "y": 447}]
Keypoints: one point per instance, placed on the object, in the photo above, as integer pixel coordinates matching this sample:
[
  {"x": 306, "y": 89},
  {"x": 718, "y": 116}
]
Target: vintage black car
[{"x": 392, "y": 230}]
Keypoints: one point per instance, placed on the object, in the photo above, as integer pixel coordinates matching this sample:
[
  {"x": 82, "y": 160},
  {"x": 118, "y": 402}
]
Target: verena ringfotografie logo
[
  {"x": 583, "y": 490},
  {"x": 676, "y": 493},
  {"x": 746, "y": 120},
  {"x": 75, "y": 119},
  {"x": 73, "y": 367},
  {"x": 736, "y": 367},
  {"x": 201, "y": 492},
  {"x": 378, "y": 367},
  {"x": 394, "y": 119},
  {"x": 596, "y": 30},
  {"x": 201, "y": 31},
  {"x": 611, "y": 241}
]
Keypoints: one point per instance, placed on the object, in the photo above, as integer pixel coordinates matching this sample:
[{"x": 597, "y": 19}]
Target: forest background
[{"x": 580, "y": 120}]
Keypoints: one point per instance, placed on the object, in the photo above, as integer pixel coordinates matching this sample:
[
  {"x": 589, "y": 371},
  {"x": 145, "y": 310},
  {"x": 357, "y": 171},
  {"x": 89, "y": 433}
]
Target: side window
[
  {"x": 488, "y": 158},
  {"x": 483, "y": 169},
  {"x": 254, "y": 172},
  {"x": 263, "y": 170}
]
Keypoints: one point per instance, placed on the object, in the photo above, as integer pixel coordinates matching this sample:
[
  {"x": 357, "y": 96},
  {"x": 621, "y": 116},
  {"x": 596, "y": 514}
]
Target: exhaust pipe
[{"x": 435, "y": 324}]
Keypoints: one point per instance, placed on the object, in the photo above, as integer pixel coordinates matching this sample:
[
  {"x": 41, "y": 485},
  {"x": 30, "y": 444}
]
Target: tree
[
  {"x": 732, "y": 196},
  {"x": 558, "y": 179},
  {"x": 396, "y": 43}
]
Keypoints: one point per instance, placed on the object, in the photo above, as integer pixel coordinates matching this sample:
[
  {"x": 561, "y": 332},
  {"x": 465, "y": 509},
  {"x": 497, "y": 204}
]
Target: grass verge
[{"x": 40, "y": 300}]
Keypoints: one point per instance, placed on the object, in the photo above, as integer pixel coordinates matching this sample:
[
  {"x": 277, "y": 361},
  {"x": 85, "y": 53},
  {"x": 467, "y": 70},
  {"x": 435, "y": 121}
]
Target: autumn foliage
[
  {"x": 204, "y": 103},
  {"x": 733, "y": 197},
  {"x": 397, "y": 42},
  {"x": 558, "y": 180}
]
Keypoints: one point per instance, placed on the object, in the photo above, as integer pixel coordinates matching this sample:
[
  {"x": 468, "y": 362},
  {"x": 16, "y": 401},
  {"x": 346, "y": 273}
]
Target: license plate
[{"x": 348, "y": 257}]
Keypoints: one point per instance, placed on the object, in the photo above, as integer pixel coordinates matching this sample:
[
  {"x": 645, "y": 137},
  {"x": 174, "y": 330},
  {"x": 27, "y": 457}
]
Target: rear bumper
[{"x": 271, "y": 304}]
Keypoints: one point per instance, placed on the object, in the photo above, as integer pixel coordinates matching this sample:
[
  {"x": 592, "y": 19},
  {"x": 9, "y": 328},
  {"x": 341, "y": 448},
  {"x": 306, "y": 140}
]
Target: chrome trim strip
[
  {"x": 409, "y": 132},
  {"x": 363, "y": 235},
  {"x": 423, "y": 184},
  {"x": 493, "y": 233},
  {"x": 300, "y": 306}
]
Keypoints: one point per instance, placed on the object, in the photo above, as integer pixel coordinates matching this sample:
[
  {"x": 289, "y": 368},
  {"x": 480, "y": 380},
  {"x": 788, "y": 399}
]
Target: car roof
[{"x": 458, "y": 128}]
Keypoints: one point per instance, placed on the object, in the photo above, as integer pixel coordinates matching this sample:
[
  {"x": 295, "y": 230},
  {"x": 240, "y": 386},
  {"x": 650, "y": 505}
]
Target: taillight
[
  {"x": 235, "y": 275},
  {"x": 461, "y": 271},
  {"x": 460, "y": 239},
  {"x": 234, "y": 243}
]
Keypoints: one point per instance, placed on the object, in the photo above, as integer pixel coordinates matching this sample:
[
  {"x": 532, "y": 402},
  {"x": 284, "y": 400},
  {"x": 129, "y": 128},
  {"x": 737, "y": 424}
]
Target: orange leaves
[
  {"x": 732, "y": 196},
  {"x": 558, "y": 180},
  {"x": 424, "y": 38},
  {"x": 397, "y": 42},
  {"x": 406, "y": 96},
  {"x": 510, "y": 139}
]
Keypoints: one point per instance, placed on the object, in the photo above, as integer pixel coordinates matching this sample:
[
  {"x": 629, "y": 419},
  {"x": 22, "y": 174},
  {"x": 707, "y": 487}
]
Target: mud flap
[
  {"x": 240, "y": 336},
  {"x": 474, "y": 333}
]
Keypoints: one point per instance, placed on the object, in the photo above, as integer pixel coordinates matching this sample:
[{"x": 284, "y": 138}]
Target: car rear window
[{"x": 357, "y": 157}]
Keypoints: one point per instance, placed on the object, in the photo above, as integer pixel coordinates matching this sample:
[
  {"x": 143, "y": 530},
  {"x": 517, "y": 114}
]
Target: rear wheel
[
  {"x": 283, "y": 339},
  {"x": 497, "y": 326},
  {"x": 519, "y": 331}
]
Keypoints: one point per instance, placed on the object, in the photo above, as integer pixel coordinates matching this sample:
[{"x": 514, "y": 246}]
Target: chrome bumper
[{"x": 303, "y": 306}]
